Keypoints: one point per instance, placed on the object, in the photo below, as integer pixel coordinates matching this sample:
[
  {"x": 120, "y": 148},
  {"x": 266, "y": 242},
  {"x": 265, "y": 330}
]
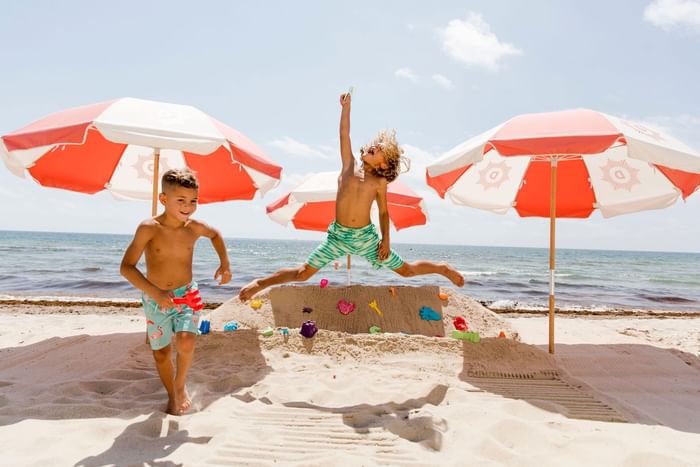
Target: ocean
[{"x": 86, "y": 266}]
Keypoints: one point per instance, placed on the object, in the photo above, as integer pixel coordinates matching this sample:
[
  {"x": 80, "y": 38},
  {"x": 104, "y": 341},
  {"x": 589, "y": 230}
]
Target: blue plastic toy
[
  {"x": 231, "y": 326},
  {"x": 204, "y": 326},
  {"x": 429, "y": 314}
]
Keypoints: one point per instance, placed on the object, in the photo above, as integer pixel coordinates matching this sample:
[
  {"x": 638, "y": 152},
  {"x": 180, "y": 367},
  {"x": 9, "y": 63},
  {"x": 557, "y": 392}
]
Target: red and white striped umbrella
[
  {"x": 567, "y": 164},
  {"x": 603, "y": 162},
  {"x": 125, "y": 145},
  {"x": 311, "y": 205}
]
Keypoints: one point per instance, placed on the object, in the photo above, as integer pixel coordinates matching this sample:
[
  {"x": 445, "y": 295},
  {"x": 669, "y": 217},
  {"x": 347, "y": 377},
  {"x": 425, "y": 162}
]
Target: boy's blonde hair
[
  {"x": 386, "y": 141},
  {"x": 179, "y": 177}
]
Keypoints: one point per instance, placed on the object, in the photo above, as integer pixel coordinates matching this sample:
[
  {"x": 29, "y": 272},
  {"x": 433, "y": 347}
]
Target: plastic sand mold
[{"x": 429, "y": 314}]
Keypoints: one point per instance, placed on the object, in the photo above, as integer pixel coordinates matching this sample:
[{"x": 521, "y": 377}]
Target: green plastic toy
[
  {"x": 471, "y": 336},
  {"x": 375, "y": 330},
  {"x": 267, "y": 332}
]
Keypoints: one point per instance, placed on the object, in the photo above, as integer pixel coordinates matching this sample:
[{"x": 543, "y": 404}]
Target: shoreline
[{"x": 517, "y": 312}]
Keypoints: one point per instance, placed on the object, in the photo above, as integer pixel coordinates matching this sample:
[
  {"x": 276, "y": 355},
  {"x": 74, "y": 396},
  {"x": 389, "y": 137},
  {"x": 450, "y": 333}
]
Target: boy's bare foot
[
  {"x": 172, "y": 407},
  {"x": 454, "y": 275},
  {"x": 182, "y": 402},
  {"x": 249, "y": 290}
]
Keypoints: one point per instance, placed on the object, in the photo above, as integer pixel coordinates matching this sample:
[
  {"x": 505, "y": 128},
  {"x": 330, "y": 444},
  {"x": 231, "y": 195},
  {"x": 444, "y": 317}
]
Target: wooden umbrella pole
[
  {"x": 156, "y": 160},
  {"x": 552, "y": 243},
  {"x": 154, "y": 204},
  {"x": 348, "y": 270}
]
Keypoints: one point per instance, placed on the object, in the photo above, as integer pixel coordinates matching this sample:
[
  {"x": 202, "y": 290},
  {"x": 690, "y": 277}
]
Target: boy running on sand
[
  {"x": 352, "y": 232},
  {"x": 168, "y": 241}
]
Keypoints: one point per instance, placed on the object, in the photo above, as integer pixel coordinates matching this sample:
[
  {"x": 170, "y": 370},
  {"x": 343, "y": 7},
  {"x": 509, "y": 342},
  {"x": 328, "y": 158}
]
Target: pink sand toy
[
  {"x": 324, "y": 283},
  {"x": 345, "y": 307},
  {"x": 192, "y": 299}
]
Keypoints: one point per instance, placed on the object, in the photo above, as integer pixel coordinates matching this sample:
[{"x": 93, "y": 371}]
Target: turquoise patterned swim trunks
[
  {"x": 361, "y": 241},
  {"x": 162, "y": 324}
]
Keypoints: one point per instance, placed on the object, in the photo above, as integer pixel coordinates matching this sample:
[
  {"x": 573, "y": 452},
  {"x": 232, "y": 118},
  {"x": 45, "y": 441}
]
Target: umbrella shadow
[
  {"x": 141, "y": 443},
  {"x": 114, "y": 375},
  {"x": 614, "y": 383},
  {"x": 407, "y": 420},
  {"x": 649, "y": 384}
]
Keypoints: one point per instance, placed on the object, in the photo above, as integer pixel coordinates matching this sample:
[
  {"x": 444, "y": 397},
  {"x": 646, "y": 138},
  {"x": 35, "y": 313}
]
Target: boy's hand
[
  {"x": 223, "y": 274},
  {"x": 164, "y": 300},
  {"x": 383, "y": 249},
  {"x": 345, "y": 99}
]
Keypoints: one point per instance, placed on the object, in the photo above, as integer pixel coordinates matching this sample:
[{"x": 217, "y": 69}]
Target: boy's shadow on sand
[
  {"x": 141, "y": 443},
  {"x": 404, "y": 419},
  {"x": 114, "y": 375},
  {"x": 608, "y": 382}
]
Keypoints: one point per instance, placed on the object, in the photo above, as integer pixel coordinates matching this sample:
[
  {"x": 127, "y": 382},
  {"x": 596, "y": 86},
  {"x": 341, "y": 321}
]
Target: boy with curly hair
[{"x": 353, "y": 232}]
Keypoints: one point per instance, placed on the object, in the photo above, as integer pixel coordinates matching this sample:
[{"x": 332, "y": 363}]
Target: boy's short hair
[
  {"x": 386, "y": 140},
  {"x": 179, "y": 177}
]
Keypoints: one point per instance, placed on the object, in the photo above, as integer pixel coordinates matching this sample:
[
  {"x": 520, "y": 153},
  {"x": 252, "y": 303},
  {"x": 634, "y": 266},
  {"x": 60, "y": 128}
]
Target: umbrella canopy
[
  {"x": 125, "y": 145},
  {"x": 567, "y": 164},
  {"x": 606, "y": 163},
  {"x": 311, "y": 205}
]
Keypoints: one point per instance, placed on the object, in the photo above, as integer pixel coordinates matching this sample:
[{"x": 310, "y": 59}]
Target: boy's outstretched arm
[
  {"x": 345, "y": 148},
  {"x": 128, "y": 269},
  {"x": 223, "y": 273},
  {"x": 384, "y": 245}
]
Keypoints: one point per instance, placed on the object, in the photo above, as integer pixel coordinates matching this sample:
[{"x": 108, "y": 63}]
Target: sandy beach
[{"x": 78, "y": 387}]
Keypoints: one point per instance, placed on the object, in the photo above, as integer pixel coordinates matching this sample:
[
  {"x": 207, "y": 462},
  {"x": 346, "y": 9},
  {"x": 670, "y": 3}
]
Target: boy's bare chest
[
  {"x": 174, "y": 243},
  {"x": 357, "y": 186}
]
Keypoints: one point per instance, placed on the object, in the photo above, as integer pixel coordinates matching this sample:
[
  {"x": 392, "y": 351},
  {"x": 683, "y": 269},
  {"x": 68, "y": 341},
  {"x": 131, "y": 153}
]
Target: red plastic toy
[
  {"x": 192, "y": 299},
  {"x": 460, "y": 324}
]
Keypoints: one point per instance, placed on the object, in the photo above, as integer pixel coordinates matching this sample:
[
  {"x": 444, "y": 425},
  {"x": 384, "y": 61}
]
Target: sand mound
[{"x": 283, "y": 306}]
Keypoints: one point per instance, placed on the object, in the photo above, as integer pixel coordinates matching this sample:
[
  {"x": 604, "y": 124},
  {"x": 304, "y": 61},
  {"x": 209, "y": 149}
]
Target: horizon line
[{"x": 398, "y": 243}]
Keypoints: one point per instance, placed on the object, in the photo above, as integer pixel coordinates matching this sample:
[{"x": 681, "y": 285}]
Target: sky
[{"x": 438, "y": 72}]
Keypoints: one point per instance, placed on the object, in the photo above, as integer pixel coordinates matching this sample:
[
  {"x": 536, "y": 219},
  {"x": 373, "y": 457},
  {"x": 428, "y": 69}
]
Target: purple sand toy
[
  {"x": 308, "y": 329},
  {"x": 323, "y": 283}
]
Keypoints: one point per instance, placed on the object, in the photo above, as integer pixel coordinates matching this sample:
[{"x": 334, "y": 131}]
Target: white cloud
[
  {"x": 472, "y": 42},
  {"x": 406, "y": 73},
  {"x": 420, "y": 159},
  {"x": 684, "y": 127},
  {"x": 297, "y": 148},
  {"x": 442, "y": 81},
  {"x": 668, "y": 14}
]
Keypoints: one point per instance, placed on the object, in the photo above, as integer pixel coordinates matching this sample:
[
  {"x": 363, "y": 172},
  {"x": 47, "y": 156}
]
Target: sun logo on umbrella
[
  {"x": 644, "y": 130},
  {"x": 494, "y": 175},
  {"x": 144, "y": 166},
  {"x": 620, "y": 175}
]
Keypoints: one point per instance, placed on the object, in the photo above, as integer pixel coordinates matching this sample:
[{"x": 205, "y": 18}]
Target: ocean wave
[{"x": 667, "y": 299}]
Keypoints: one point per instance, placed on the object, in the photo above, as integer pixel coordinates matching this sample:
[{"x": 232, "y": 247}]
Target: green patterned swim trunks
[{"x": 361, "y": 241}]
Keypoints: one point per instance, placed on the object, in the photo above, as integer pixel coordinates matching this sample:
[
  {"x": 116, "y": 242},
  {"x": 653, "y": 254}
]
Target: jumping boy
[
  {"x": 168, "y": 240},
  {"x": 352, "y": 232}
]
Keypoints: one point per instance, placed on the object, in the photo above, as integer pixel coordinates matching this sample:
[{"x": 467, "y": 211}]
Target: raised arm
[
  {"x": 128, "y": 269},
  {"x": 384, "y": 246},
  {"x": 223, "y": 273},
  {"x": 345, "y": 148}
]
